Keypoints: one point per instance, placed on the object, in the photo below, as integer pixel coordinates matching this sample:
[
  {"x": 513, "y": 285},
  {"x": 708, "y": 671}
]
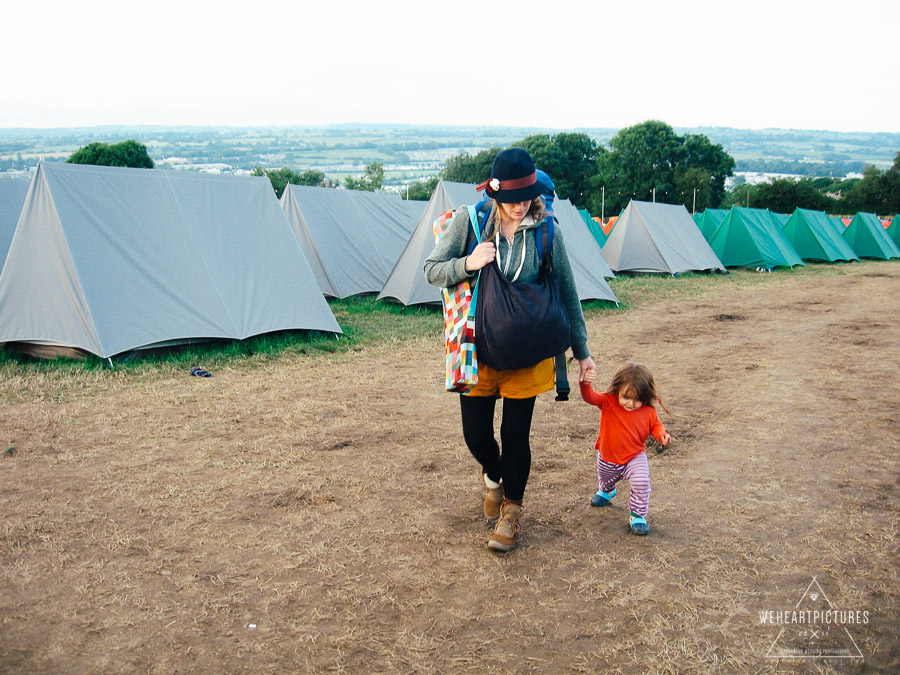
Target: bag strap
[
  {"x": 473, "y": 228},
  {"x": 471, "y": 240},
  {"x": 562, "y": 377},
  {"x": 543, "y": 239}
]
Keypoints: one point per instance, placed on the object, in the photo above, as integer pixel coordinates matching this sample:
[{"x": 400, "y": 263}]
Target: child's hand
[
  {"x": 590, "y": 375},
  {"x": 585, "y": 365},
  {"x": 666, "y": 440}
]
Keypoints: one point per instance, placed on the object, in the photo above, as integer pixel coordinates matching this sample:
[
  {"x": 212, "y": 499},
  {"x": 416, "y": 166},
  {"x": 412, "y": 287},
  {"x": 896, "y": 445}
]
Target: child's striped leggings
[{"x": 636, "y": 472}]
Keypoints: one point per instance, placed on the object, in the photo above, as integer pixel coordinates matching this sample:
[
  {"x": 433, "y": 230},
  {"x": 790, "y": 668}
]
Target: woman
[{"x": 516, "y": 210}]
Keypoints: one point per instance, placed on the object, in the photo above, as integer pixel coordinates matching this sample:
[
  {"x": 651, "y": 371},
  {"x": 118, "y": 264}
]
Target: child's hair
[{"x": 636, "y": 381}]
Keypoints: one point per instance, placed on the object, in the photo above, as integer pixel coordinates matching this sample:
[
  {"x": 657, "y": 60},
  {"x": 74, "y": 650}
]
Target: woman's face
[{"x": 514, "y": 210}]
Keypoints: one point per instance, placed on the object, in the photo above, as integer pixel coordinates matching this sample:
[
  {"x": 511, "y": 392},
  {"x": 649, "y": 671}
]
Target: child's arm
[
  {"x": 587, "y": 391},
  {"x": 659, "y": 433}
]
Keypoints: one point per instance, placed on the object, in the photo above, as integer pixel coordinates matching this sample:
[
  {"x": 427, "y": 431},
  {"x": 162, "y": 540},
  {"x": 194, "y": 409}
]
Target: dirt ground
[{"x": 321, "y": 514}]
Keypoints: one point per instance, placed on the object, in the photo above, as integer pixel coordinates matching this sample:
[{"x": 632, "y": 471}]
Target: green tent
[
  {"x": 753, "y": 238},
  {"x": 815, "y": 237},
  {"x": 894, "y": 230},
  {"x": 868, "y": 238},
  {"x": 709, "y": 220},
  {"x": 593, "y": 227},
  {"x": 781, "y": 218}
]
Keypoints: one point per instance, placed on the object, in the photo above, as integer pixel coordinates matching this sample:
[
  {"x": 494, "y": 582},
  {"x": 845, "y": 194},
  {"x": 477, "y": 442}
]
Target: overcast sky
[{"x": 819, "y": 64}]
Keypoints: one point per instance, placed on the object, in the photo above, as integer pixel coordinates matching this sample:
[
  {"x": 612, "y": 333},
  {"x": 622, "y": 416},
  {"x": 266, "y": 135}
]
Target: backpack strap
[{"x": 543, "y": 239}]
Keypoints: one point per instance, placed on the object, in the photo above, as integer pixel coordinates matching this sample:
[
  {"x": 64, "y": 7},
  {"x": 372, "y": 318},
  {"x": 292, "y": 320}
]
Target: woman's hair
[
  {"x": 636, "y": 381},
  {"x": 536, "y": 211}
]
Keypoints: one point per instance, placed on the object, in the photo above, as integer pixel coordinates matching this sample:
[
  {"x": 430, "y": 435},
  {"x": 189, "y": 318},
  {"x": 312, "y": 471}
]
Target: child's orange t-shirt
[{"x": 623, "y": 433}]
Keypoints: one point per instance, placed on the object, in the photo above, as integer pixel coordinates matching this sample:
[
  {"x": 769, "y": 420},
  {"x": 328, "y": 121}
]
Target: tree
[
  {"x": 370, "y": 181},
  {"x": 422, "y": 190},
  {"x": 875, "y": 192},
  {"x": 281, "y": 178},
  {"x": 891, "y": 188},
  {"x": 701, "y": 153},
  {"x": 465, "y": 168},
  {"x": 642, "y": 160},
  {"x": 694, "y": 189},
  {"x": 570, "y": 159},
  {"x": 742, "y": 195},
  {"x": 650, "y": 159},
  {"x": 866, "y": 193},
  {"x": 783, "y": 195},
  {"x": 127, "y": 153}
]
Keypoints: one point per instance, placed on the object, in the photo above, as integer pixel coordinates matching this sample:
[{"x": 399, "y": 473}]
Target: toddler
[{"x": 627, "y": 418}]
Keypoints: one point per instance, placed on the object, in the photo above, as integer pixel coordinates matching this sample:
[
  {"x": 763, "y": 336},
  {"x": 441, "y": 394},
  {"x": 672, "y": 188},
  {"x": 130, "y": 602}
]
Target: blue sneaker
[
  {"x": 639, "y": 525},
  {"x": 602, "y": 498}
]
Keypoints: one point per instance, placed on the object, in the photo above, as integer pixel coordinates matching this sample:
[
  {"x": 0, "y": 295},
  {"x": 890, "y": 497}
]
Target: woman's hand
[
  {"x": 586, "y": 365},
  {"x": 483, "y": 254}
]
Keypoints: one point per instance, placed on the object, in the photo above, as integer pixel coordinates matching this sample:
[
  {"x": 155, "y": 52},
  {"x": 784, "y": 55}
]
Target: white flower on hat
[{"x": 495, "y": 184}]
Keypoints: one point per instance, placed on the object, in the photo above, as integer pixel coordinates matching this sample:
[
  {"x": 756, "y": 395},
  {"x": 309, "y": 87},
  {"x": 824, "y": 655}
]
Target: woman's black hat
[{"x": 513, "y": 178}]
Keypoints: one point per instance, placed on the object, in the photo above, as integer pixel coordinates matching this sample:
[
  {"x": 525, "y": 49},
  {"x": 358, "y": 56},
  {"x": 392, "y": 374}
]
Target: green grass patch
[
  {"x": 367, "y": 321},
  {"x": 635, "y": 290},
  {"x": 363, "y": 319}
]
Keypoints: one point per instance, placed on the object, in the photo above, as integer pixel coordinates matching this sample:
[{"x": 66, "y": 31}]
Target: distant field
[{"x": 410, "y": 152}]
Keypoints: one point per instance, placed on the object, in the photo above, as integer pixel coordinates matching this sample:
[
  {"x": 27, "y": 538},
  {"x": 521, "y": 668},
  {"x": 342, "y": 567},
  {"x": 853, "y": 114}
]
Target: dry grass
[{"x": 320, "y": 514}]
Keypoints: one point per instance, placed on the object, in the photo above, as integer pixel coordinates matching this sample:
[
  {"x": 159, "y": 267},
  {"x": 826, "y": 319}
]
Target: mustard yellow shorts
[{"x": 521, "y": 383}]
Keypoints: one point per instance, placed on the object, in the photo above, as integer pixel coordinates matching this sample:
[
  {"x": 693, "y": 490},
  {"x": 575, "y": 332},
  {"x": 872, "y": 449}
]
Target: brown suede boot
[
  {"x": 492, "y": 499},
  {"x": 507, "y": 530}
]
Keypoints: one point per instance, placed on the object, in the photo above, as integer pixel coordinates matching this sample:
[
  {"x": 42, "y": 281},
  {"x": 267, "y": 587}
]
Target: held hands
[
  {"x": 587, "y": 370},
  {"x": 483, "y": 254}
]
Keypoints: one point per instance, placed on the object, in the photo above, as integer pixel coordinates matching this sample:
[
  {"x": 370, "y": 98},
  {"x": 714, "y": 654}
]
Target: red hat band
[{"x": 514, "y": 184}]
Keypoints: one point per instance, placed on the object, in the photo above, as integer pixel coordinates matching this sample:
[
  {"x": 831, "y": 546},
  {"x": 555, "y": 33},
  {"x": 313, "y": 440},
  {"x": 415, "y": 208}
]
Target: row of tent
[
  {"x": 109, "y": 260},
  {"x": 746, "y": 237},
  {"x": 651, "y": 237}
]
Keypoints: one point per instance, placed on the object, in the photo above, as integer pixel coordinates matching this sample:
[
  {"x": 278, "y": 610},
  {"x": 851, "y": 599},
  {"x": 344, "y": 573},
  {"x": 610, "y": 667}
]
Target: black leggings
[{"x": 514, "y": 463}]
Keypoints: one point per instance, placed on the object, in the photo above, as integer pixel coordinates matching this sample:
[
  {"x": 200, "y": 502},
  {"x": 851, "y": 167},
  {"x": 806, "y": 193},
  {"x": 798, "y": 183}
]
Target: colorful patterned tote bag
[{"x": 459, "y": 322}]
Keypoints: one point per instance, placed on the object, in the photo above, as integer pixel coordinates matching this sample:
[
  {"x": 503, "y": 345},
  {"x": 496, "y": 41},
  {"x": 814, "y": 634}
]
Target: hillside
[{"x": 411, "y": 152}]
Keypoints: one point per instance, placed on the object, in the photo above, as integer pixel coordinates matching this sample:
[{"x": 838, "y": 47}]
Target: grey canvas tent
[
  {"x": 651, "y": 237},
  {"x": 351, "y": 238},
  {"x": 406, "y": 282},
  {"x": 12, "y": 198},
  {"x": 868, "y": 238},
  {"x": 589, "y": 268},
  {"x": 108, "y": 260},
  {"x": 407, "y": 285},
  {"x": 815, "y": 237}
]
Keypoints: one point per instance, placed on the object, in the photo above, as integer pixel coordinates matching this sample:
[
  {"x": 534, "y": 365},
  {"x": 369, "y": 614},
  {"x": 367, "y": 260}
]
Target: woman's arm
[
  {"x": 445, "y": 266},
  {"x": 448, "y": 263},
  {"x": 562, "y": 272}
]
